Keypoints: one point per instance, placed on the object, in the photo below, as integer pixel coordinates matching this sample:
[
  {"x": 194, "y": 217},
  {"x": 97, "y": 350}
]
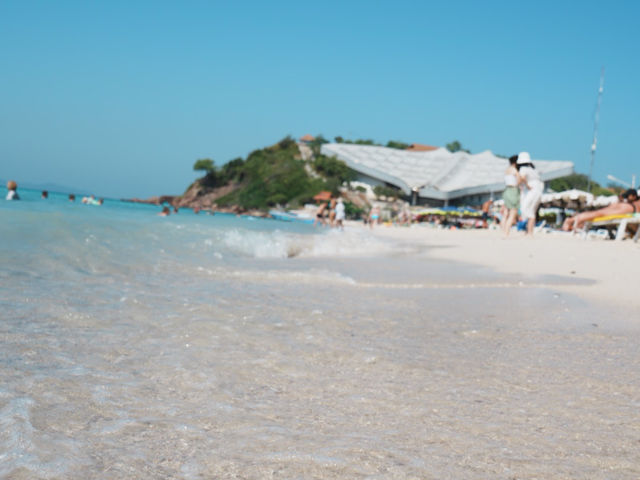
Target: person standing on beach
[
  {"x": 486, "y": 206},
  {"x": 374, "y": 216},
  {"x": 332, "y": 212},
  {"x": 511, "y": 195},
  {"x": 340, "y": 214},
  {"x": 534, "y": 186},
  {"x": 320, "y": 214}
]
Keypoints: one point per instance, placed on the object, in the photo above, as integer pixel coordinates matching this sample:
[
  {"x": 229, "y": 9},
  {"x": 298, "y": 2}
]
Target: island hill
[
  {"x": 289, "y": 175},
  {"x": 285, "y": 175}
]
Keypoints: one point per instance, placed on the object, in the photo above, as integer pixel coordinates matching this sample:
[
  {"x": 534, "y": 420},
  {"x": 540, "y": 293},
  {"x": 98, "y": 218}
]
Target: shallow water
[{"x": 195, "y": 347}]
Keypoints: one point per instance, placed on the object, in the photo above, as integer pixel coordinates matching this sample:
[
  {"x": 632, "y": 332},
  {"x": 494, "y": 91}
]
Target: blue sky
[{"x": 120, "y": 98}]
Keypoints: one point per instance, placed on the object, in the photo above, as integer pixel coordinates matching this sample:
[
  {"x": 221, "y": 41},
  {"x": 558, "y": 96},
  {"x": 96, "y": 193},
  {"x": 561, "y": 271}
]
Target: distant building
[
  {"x": 323, "y": 196},
  {"x": 307, "y": 138},
  {"x": 435, "y": 177},
  {"x": 418, "y": 147}
]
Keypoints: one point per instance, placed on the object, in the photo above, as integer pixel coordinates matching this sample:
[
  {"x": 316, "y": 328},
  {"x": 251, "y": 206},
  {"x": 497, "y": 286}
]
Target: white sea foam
[{"x": 279, "y": 244}]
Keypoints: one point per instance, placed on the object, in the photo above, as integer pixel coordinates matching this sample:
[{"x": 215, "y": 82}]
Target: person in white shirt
[
  {"x": 340, "y": 214},
  {"x": 532, "y": 194}
]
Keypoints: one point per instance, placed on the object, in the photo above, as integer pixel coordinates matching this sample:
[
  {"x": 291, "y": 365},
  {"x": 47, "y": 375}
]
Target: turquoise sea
[{"x": 198, "y": 346}]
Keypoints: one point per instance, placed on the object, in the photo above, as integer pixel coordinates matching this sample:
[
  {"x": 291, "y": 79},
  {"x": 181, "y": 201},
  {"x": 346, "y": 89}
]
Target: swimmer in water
[{"x": 12, "y": 194}]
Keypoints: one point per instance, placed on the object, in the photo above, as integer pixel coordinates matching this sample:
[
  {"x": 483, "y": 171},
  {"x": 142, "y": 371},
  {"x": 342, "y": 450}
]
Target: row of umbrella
[
  {"x": 569, "y": 199},
  {"x": 573, "y": 199},
  {"x": 449, "y": 211}
]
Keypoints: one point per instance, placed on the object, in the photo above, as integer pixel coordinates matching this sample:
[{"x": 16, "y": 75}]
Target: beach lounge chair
[{"x": 617, "y": 225}]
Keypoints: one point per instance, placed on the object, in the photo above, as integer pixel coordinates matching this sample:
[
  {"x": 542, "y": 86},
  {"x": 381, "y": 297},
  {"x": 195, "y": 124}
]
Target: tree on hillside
[
  {"x": 456, "y": 146},
  {"x": 335, "y": 171},
  {"x": 272, "y": 176},
  {"x": 212, "y": 176},
  {"x": 364, "y": 141},
  {"x": 317, "y": 143},
  {"x": 387, "y": 191},
  {"x": 233, "y": 170},
  {"x": 204, "y": 164},
  {"x": 397, "y": 144}
]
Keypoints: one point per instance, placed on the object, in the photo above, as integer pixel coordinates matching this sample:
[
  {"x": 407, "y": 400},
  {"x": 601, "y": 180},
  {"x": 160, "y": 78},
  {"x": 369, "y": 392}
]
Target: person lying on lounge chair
[{"x": 630, "y": 204}]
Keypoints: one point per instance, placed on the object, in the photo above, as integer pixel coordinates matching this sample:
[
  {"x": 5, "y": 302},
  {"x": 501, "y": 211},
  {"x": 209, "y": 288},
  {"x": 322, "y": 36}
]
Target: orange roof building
[
  {"x": 323, "y": 196},
  {"x": 307, "y": 138},
  {"x": 418, "y": 147}
]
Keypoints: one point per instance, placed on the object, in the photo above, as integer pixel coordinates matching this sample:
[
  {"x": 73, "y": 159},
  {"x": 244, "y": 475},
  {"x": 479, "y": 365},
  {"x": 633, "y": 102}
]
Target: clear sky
[{"x": 120, "y": 98}]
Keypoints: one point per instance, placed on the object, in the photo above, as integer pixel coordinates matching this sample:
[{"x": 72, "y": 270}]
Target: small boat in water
[{"x": 289, "y": 216}]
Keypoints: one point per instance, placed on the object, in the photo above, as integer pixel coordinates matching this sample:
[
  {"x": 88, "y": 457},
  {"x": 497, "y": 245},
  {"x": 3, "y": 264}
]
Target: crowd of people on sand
[
  {"x": 12, "y": 194},
  {"x": 523, "y": 192},
  {"x": 521, "y": 203}
]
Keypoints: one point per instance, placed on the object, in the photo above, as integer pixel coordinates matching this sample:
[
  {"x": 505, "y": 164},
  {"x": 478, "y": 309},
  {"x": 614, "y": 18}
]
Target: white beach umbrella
[
  {"x": 603, "y": 201},
  {"x": 568, "y": 199}
]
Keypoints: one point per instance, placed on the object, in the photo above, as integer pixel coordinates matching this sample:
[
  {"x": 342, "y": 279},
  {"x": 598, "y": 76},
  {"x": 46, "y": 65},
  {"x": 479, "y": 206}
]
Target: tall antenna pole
[{"x": 594, "y": 144}]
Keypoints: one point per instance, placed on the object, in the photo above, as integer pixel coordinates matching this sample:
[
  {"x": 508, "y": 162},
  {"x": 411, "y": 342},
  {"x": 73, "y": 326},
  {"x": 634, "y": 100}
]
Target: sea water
[{"x": 215, "y": 346}]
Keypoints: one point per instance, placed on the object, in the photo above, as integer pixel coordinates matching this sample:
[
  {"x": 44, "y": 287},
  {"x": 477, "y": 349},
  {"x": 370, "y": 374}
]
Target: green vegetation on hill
[
  {"x": 272, "y": 176},
  {"x": 277, "y": 175}
]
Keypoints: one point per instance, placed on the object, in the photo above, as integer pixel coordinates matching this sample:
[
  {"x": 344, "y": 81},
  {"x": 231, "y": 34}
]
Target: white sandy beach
[{"x": 613, "y": 266}]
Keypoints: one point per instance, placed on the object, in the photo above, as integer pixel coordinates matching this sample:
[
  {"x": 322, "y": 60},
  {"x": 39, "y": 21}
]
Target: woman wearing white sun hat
[{"x": 534, "y": 186}]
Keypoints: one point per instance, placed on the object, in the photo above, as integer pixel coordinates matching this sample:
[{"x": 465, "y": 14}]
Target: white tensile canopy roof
[{"x": 438, "y": 174}]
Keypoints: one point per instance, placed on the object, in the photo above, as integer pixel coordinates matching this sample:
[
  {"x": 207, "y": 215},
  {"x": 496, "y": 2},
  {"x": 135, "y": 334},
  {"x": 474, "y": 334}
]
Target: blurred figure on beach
[
  {"x": 486, "y": 206},
  {"x": 320, "y": 214},
  {"x": 332, "y": 212},
  {"x": 12, "y": 194},
  {"x": 339, "y": 214},
  {"x": 44, "y": 194},
  {"x": 629, "y": 205},
  {"x": 404, "y": 217},
  {"x": 72, "y": 197},
  {"x": 532, "y": 194},
  {"x": 374, "y": 215},
  {"x": 511, "y": 195},
  {"x": 165, "y": 212}
]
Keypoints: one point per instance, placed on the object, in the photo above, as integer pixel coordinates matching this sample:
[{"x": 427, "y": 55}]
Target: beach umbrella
[
  {"x": 603, "y": 201},
  {"x": 575, "y": 199},
  {"x": 469, "y": 212}
]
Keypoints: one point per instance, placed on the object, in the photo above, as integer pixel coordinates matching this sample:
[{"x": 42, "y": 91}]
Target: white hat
[{"x": 523, "y": 157}]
